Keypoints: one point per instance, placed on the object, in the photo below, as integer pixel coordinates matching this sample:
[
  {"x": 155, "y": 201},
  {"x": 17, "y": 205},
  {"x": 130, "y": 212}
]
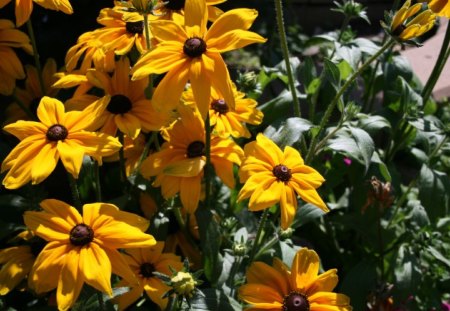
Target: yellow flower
[
  {"x": 32, "y": 94},
  {"x": 16, "y": 263},
  {"x": 132, "y": 150},
  {"x": 128, "y": 110},
  {"x": 302, "y": 288},
  {"x": 226, "y": 120},
  {"x": 174, "y": 10},
  {"x": 59, "y": 135},
  {"x": 25, "y": 7},
  {"x": 178, "y": 166},
  {"x": 10, "y": 66},
  {"x": 193, "y": 53},
  {"x": 144, "y": 262},
  {"x": 440, "y": 7},
  {"x": 273, "y": 176},
  {"x": 407, "y": 24},
  {"x": 83, "y": 249}
]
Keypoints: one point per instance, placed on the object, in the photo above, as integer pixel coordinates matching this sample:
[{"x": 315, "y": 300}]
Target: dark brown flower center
[
  {"x": 194, "y": 47},
  {"x": 56, "y": 132},
  {"x": 196, "y": 149},
  {"x": 282, "y": 173},
  {"x": 135, "y": 27},
  {"x": 119, "y": 104},
  {"x": 81, "y": 235},
  {"x": 295, "y": 302},
  {"x": 175, "y": 5},
  {"x": 146, "y": 270},
  {"x": 220, "y": 106}
]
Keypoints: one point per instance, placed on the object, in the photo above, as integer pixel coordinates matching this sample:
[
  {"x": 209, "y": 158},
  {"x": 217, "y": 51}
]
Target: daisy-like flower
[
  {"x": 83, "y": 249},
  {"x": 10, "y": 66},
  {"x": 439, "y": 7},
  {"x": 58, "y": 135},
  {"x": 178, "y": 166},
  {"x": 16, "y": 263},
  {"x": 273, "y": 176},
  {"x": 226, "y": 120},
  {"x": 32, "y": 94},
  {"x": 300, "y": 289},
  {"x": 144, "y": 262},
  {"x": 128, "y": 110},
  {"x": 193, "y": 53},
  {"x": 25, "y": 7},
  {"x": 174, "y": 10},
  {"x": 407, "y": 24}
]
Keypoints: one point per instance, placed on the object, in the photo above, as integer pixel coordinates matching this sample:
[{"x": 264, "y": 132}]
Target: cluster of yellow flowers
[{"x": 197, "y": 110}]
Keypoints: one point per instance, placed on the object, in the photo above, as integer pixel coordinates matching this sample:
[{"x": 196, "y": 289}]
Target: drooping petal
[
  {"x": 71, "y": 157},
  {"x": 189, "y": 167},
  {"x": 120, "y": 267},
  {"x": 96, "y": 267},
  {"x": 269, "y": 194},
  {"x": 288, "y": 206},
  {"x": 261, "y": 296},
  {"x": 262, "y": 273},
  {"x": 308, "y": 194},
  {"x": 190, "y": 191},
  {"x": 128, "y": 124},
  {"x": 70, "y": 281},
  {"x": 221, "y": 80},
  {"x": 44, "y": 163},
  {"x": 201, "y": 84}
]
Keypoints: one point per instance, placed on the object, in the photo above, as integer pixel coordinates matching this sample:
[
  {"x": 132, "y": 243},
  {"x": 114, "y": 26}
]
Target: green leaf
[
  {"x": 279, "y": 107},
  {"x": 355, "y": 143},
  {"x": 399, "y": 67},
  {"x": 437, "y": 254},
  {"x": 367, "y": 46},
  {"x": 332, "y": 73},
  {"x": 210, "y": 240},
  {"x": 308, "y": 75},
  {"x": 407, "y": 271},
  {"x": 434, "y": 192},
  {"x": 358, "y": 281},
  {"x": 418, "y": 214},
  {"x": 402, "y": 98},
  {"x": 211, "y": 299},
  {"x": 288, "y": 132},
  {"x": 306, "y": 214},
  {"x": 384, "y": 171},
  {"x": 372, "y": 124},
  {"x": 351, "y": 54},
  {"x": 345, "y": 69}
]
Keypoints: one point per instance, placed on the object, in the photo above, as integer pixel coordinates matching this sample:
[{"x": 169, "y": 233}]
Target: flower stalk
[
  {"x": 438, "y": 66},
  {"x": 313, "y": 147},
  {"x": 285, "y": 50},
  {"x": 259, "y": 234}
]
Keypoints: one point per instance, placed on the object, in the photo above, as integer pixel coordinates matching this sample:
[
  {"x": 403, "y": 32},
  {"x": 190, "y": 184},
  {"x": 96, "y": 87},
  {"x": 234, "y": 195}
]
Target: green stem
[
  {"x": 438, "y": 66},
  {"x": 179, "y": 218},
  {"x": 36, "y": 56},
  {"x": 123, "y": 172},
  {"x": 259, "y": 234},
  {"x": 284, "y": 49},
  {"x": 98, "y": 187},
  {"x": 207, "y": 168},
  {"x": 75, "y": 193},
  {"x": 312, "y": 149},
  {"x": 341, "y": 32},
  {"x": 100, "y": 301}
]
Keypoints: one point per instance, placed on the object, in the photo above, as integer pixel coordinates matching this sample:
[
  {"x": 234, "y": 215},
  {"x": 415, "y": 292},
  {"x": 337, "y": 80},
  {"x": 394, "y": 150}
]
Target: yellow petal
[
  {"x": 195, "y": 14},
  {"x": 96, "y": 267},
  {"x": 305, "y": 268},
  {"x": 201, "y": 85},
  {"x": 165, "y": 30},
  {"x": 24, "y": 129},
  {"x": 44, "y": 163},
  {"x": 62, "y": 210},
  {"x": 234, "y": 40},
  {"x": 262, "y": 273},
  {"x": 190, "y": 190},
  {"x": 325, "y": 282},
  {"x": 120, "y": 267},
  {"x": 47, "y": 226},
  {"x": 189, "y": 167},
  {"x": 129, "y": 297},
  {"x": 221, "y": 79},
  {"x": 230, "y": 21},
  {"x": 261, "y": 296},
  {"x": 267, "y": 195},
  {"x": 71, "y": 156},
  {"x": 288, "y": 206},
  {"x": 308, "y": 194},
  {"x": 70, "y": 281},
  {"x": 50, "y": 111},
  {"x": 330, "y": 301},
  {"x": 128, "y": 124}
]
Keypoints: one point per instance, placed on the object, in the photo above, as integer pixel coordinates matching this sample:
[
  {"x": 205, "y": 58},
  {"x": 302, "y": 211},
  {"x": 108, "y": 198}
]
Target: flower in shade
[
  {"x": 408, "y": 23},
  {"x": 226, "y": 119},
  {"x": 300, "y": 289},
  {"x": 58, "y": 135},
  {"x": 23, "y": 8},
  {"x": 32, "y": 94},
  {"x": 16, "y": 263},
  {"x": 179, "y": 165},
  {"x": 144, "y": 262},
  {"x": 83, "y": 248},
  {"x": 128, "y": 110},
  {"x": 440, "y": 7},
  {"x": 193, "y": 53},
  {"x": 10, "y": 66},
  {"x": 273, "y": 176}
]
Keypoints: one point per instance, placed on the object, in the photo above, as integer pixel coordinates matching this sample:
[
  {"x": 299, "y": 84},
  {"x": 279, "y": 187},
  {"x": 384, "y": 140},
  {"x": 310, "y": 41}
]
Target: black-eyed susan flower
[
  {"x": 10, "y": 66},
  {"x": 16, "y": 263},
  {"x": 193, "y": 53},
  {"x": 440, "y": 7},
  {"x": 407, "y": 23},
  {"x": 128, "y": 110},
  {"x": 273, "y": 176},
  {"x": 174, "y": 10},
  {"x": 32, "y": 94},
  {"x": 144, "y": 262},
  {"x": 226, "y": 119},
  {"x": 58, "y": 135},
  {"x": 83, "y": 248},
  {"x": 23, "y": 8},
  {"x": 179, "y": 165},
  {"x": 300, "y": 289}
]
